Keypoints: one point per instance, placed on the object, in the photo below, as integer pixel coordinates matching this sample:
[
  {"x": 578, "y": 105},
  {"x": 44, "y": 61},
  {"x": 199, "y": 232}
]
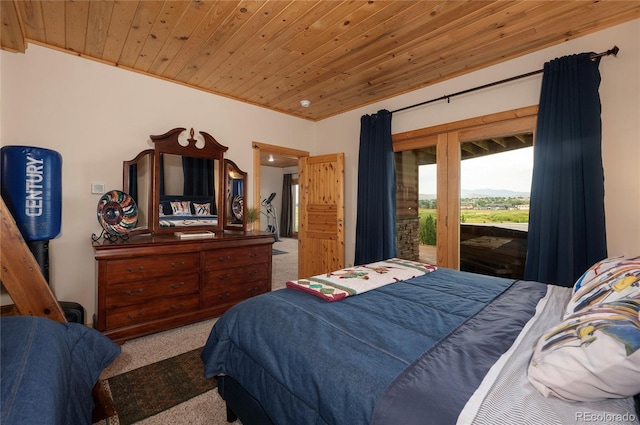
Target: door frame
[{"x": 258, "y": 148}]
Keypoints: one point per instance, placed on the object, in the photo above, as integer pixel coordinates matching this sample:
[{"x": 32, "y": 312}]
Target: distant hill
[
  {"x": 483, "y": 193},
  {"x": 492, "y": 193}
]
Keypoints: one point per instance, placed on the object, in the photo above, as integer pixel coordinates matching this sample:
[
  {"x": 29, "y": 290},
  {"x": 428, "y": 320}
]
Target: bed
[
  {"x": 444, "y": 347},
  {"x": 49, "y": 370},
  {"x": 186, "y": 211}
]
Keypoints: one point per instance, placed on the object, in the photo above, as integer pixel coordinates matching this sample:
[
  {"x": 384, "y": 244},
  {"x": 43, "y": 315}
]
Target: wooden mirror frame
[
  {"x": 230, "y": 220},
  {"x": 168, "y": 144}
]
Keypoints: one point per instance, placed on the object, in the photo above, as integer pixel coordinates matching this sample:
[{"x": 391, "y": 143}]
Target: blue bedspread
[
  {"x": 312, "y": 362},
  {"x": 49, "y": 369}
]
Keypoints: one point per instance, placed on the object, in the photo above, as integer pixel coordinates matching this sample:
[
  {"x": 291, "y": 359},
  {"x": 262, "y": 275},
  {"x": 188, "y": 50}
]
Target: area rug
[
  {"x": 277, "y": 251},
  {"x": 151, "y": 389}
]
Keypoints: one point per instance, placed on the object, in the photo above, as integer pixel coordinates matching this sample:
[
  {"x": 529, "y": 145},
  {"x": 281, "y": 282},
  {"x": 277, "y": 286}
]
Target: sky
[{"x": 507, "y": 171}]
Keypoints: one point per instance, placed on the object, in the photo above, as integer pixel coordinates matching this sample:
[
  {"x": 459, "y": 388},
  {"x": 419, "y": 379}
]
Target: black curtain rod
[{"x": 614, "y": 51}]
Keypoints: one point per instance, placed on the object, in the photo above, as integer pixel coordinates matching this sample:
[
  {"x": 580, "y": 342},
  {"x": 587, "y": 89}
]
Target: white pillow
[
  {"x": 608, "y": 280},
  {"x": 181, "y": 208},
  {"x": 592, "y": 355},
  {"x": 202, "y": 209}
]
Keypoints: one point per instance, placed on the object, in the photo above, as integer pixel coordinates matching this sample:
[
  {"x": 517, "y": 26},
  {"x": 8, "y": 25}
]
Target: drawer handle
[
  {"x": 224, "y": 276},
  {"x": 136, "y": 316},
  {"x": 227, "y": 258},
  {"x": 176, "y": 266},
  {"x": 134, "y": 294},
  {"x": 177, "y": 285},
  {"x": 177, "y": 307},
  {"x": 252, "y": 272},
  {"x": 223, "y": 296},
  {"x": 252, "y": 255},
  {"x": 253, "y": 290},
  {"x": 138, "y": 270}
]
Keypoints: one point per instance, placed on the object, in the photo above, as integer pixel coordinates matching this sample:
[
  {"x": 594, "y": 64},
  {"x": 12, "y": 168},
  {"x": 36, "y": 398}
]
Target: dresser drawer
[
  {"x": 234, "y": 294},
  {"x": 234, "y": 257},
  {"x": 224, "y": 278},
  {"x": 155, "y": 309},
  {"x": 151, "y": 266},
  {"x": 141, "y": 291}
]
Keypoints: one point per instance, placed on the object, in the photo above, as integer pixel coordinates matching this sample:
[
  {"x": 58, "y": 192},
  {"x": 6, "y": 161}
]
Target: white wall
[
  {"x": 97, "y": 116},
  {"x": 270, "y": 181},
  {"x": 620, "y": 97}
]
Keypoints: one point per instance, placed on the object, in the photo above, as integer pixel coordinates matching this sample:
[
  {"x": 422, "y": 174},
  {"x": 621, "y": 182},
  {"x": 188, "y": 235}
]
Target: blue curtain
[
  {"x": 566, "y": 220},
  {"x": 376, "y": 216},
  {"x": 286, "y": 213},
  {"x": 161, "y": 176},
  {"x": 133, "y": 182},
  {"x": 198, "y": 176}
]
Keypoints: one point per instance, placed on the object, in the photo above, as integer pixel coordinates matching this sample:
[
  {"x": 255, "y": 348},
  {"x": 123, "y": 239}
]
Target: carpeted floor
[
  {"x": 207, "y": 408},
  {"x": 285, "y": 266}
]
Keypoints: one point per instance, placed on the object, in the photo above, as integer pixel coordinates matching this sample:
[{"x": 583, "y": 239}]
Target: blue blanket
[
  {"x": 312, "y": 362},
  {"x": 49, "y": 369}
]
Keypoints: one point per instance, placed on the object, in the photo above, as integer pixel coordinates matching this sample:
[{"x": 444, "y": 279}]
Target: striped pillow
[{"x": 608, "y": 280}]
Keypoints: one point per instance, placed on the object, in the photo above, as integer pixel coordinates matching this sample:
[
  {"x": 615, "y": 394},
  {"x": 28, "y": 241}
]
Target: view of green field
[
  {"x": 427, "y": 232},
  {"x": 485, "y": 216}
]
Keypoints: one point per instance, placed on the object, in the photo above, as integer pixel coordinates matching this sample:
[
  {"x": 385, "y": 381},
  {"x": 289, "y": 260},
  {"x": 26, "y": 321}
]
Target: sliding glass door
[
  {"x": 416, "y": 191},
  {"x": 438, "y": 153}
]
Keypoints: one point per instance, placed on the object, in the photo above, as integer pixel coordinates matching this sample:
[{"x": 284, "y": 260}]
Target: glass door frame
[{"x": 447, "y": 139}]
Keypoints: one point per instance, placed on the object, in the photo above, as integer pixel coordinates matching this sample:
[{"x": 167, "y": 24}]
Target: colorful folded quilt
[{"x": 351, "y": 281}]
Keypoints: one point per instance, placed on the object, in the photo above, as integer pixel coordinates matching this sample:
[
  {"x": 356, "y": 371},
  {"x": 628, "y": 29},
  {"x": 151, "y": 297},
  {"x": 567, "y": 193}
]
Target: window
[
  {"x": 494, "y": 206},
  {"x": 450, "y": 146},
  {"x": 296, "y": 204},
  {"x": 416, "y": 188}
]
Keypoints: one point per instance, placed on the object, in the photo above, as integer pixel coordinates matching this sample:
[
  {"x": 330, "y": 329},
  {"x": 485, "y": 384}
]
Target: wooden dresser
[{"x": 151, "y": 283}]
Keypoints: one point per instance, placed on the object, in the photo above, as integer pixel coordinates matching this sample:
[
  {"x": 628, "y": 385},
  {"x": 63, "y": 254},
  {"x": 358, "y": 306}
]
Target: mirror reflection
[
  {"x": 187, "y": 191},
  {"x": 137, "y": 183},
  {"x": 178, "y": 183},
  {"x": 234, "y": 197}
]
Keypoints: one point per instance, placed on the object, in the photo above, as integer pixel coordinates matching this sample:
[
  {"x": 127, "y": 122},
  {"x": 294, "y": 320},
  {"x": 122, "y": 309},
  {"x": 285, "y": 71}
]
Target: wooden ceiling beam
[
  {"x": 482, "y": 144},
  {"x": 500, "y": 140}
]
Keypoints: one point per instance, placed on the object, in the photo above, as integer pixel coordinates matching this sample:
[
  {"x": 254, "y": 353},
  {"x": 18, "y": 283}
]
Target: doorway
[{"x": 270, "y": 163}]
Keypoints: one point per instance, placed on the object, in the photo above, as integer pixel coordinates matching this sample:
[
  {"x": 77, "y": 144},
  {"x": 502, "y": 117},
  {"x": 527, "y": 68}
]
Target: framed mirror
[
  {"x": 189, "y": 182},
  {"x": 235, "y": 182},
  {"x": 137, "y": 181}
]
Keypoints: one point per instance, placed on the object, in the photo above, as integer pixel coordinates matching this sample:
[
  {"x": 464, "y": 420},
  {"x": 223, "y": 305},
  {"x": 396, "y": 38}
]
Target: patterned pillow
[
  {"x": 161, "y": 210},
  {"x": 594, "y": 354},
  {"x": 202, "y": 209},
  {"x": 607, "y": 280},
  {"x": 181, "y": 208}
]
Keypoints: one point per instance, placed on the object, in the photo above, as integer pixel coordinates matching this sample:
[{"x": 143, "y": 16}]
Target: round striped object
[{"x": 117, "y": 212}]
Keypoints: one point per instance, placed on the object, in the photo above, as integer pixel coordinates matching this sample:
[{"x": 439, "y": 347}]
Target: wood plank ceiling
[{"x": 340, "y": 55}]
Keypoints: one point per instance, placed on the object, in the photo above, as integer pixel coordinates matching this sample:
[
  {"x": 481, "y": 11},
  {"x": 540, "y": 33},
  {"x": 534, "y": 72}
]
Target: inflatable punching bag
[
  {"x": 32, "y": 189},
  {"x": 31, "y": 181}
]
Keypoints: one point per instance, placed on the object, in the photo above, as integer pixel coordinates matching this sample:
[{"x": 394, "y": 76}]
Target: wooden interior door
[{"x": 321, "y": 228}]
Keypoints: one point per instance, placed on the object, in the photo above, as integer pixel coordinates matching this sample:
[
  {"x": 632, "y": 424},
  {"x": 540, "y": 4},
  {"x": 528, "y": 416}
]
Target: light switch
[{"x": 97, "y": 188}]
